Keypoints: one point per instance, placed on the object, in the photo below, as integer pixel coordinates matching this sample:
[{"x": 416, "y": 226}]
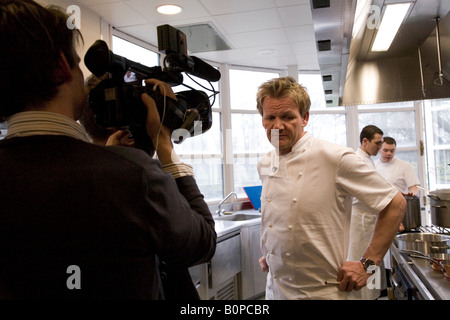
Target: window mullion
[{"x": 227, "y": 141}]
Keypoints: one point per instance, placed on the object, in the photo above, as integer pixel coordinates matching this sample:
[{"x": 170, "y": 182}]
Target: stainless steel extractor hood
[{"x": 396, "y": 75}]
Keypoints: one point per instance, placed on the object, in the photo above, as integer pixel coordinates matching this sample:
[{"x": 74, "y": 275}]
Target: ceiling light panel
[
  {"x": 393, "y": 17},
  {"x": 169, "y": 9}
]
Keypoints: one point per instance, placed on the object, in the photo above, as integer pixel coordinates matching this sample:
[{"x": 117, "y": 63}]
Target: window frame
[
  {"x": 229, "y": 154},
  {"x": 133, "y": 40},
  {"x": 430, "y": 146},
  {"x": 351, "y": 115}
]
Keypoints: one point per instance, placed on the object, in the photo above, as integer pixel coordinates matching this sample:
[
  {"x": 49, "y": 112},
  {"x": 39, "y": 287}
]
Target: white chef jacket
[
  {"x": 366, "y": 157},
  {"x": 398, "y": 172},
  {"x": 402, "y": 175},
  {"x": 306, "y": 210},
  {"x": 361, "y": 231},
  {"x": 363, "y": 222}
]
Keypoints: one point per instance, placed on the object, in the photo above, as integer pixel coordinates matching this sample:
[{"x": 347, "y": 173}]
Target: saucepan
[
  {"x": 438, "y": 261},
  {"x": 440, "y": 208},
  {"x": 425, "y": 243},
  {"x": 411, "y": 219},
  {"x": 446, "y": 265},
  {"x": 441, "y": 258}
]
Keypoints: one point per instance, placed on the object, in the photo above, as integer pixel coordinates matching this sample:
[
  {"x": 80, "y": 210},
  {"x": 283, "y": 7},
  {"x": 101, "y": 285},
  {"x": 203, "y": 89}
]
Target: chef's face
[
  {"x": 387, "y": 152},
  {"x": 283, "y": 123},
  {"x": 374, "y": 145}
]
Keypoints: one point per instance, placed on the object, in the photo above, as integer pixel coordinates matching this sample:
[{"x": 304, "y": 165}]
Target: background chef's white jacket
[
  {"x": 306, "y": 210},
  {"x": 400, "y": 173},
  {"x": 361, "y": 230},
  {"x": 366, "y": 157}
]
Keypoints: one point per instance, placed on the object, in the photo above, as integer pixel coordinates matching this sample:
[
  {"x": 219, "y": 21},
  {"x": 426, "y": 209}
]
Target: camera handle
[{"x": 171, "y": 111}]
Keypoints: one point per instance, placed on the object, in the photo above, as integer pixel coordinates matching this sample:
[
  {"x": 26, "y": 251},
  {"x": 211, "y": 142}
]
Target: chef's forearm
[{"x": 386, "y": 228}]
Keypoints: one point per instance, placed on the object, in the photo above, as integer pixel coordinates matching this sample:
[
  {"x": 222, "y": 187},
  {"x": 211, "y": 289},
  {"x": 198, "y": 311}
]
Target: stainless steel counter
[
  {"x": 222, "y": 278},
  {"x": 224, "y": 227},
  {"x": 431, "y": 284}
]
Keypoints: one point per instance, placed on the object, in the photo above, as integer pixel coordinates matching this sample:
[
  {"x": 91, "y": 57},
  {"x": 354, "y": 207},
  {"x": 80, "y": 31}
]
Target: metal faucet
[{"x": 220, "y": 211}]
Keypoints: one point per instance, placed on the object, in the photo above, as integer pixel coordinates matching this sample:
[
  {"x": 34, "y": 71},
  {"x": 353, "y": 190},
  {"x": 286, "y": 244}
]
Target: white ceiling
[{"x": 249, "y": 26}]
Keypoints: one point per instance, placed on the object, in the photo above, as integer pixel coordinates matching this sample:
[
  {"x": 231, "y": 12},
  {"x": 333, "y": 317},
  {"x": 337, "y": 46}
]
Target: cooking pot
[
  {"x": 411, "y": 219},
  {"x": 435, "y": 263},
  {"x": 446, "y": 265},
  {"x": 442, "y": 194},
  {"x": 439, "y": 257},
  {"x": 440, "y": 208},
  {"x": 425, "y": 243}
]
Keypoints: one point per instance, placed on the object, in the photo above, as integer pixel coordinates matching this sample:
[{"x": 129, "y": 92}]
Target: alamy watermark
[
  {"x": 374, "y": 280},
  {"x": 74, "y": 280},
  {"x": 74, "y": 19},
  {"x": 374, "y": 19}
]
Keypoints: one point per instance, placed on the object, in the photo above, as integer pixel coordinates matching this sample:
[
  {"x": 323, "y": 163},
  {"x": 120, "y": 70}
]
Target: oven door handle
[
  {"x": 394, "y": 282},
  {"x": 397, "y": 289}
]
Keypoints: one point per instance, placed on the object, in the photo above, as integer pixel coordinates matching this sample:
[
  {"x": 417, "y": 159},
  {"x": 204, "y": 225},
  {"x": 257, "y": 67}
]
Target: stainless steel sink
[{"x": 239, "y": 217}]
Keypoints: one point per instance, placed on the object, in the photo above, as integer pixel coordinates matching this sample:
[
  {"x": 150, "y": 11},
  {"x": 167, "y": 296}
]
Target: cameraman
[
  {"x": 176, "y": 280},
  {"x": 81, "y": 221}
]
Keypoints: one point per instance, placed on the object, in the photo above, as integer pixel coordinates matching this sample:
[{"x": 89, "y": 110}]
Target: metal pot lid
[
  {"x": 442, "y": 194},
  {"x": 411, "y": 197},
  {"x": 423, "y": 237}
]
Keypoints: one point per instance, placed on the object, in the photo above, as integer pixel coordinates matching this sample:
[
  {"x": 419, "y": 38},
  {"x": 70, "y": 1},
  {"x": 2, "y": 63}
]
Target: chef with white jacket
[{"x": 363, "y": 222}]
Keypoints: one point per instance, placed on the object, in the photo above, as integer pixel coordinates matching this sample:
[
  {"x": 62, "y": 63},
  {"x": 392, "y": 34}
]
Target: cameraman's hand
[
  {"x": 158, "y": 133},
  {"x": 120, "y": 138}
]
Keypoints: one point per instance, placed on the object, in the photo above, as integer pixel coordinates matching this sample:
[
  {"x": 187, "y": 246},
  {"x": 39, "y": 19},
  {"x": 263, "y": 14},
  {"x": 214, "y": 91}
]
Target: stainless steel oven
[
  {"x": 413, "y": 278},
  {"x": 402, "y": 285}
]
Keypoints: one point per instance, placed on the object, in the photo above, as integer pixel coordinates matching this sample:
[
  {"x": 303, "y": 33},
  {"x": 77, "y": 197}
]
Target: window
[
  {"x": 250, "y": 144},
  {"x": 396, "y": 120},
  {"x": 244, "y": 85},
  {"x": 400, "y": 125},
  {"x": 313, "y": 84},
  {"x": 324, "y": 122},
  {"x": 437, "y": 116},
  {"x": 134, "y": 52},
  {"x": 204, "y": 151},
  {"x": 328, "y": 126},
  {"x": 249, "y": 140}
]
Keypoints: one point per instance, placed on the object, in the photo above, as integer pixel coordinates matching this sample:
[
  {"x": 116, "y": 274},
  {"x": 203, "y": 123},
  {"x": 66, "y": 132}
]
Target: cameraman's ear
[{"x": 63, "y": 72}]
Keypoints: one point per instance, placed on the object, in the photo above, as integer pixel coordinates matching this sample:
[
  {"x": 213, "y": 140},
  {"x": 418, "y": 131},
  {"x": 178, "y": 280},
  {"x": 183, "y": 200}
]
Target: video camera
[{"x": 116, "y": 100}]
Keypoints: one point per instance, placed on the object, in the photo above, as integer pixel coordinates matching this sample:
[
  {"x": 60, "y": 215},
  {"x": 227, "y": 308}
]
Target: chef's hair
[
  {"x": 284, "y": 87},
  {"x": 369, "y": 132},
  {"x": 389, "y": 140}
]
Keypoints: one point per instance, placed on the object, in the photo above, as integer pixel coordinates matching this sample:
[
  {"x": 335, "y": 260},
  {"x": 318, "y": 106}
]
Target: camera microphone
[
  {"x": 205, "y": 71},
  {"x": 194, "y": 66}
]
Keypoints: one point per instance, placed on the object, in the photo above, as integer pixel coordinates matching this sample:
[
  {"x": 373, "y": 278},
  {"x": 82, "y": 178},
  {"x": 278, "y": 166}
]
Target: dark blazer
[{"x": 110, "y": 211}]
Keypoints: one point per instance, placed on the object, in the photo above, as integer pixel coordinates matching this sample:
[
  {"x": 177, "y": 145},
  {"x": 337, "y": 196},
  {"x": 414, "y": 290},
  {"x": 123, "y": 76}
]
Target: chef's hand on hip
[
  {"x": 352, "y": 276},
  {"x": 263, "y": 264}
]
